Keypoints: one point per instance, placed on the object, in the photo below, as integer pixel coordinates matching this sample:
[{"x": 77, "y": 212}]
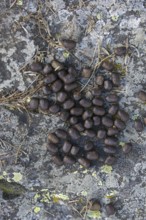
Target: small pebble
[
  {"x": 85, "y": 103},
  {"x": 33, "y": 104},
  {"x": 74, "y": 150},
  {"x": 112, "y": 141},
  {"x": 88, "y": 123},
  {"x": 54, "y": 109},
  {"x": 61, "y": 96},
  {"x": 99, "y": 111},
  {"x": 47, "y": 69},
  {"x": 77, "y": 111},
  {"x": 99, "y": 80},
  {"x": 119, "y": 124},
  {"x": 57, "y": 85},
  {"x": 108, "y": 85},
  {"x": 50, "y": 78},
  {"x": 123, "y": 115},
  {"x": 113, "y": 109},
  {"x": 107, "y": 121}
]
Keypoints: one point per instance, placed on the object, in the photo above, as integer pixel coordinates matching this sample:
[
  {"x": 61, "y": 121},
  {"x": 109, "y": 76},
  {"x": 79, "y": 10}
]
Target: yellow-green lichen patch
[
  {"x": 94, "y": 214},
  {"x": 37, "y": 209},
  {"x": 106, "y": 169}
]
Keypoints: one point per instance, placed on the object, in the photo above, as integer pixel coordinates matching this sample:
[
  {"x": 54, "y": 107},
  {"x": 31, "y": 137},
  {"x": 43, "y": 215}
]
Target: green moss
[
  {"x": 118, "y": 67},
  {"x": 11, "y": 187}
]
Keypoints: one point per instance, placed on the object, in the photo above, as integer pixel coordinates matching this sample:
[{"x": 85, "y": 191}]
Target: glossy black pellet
[
  {"x": 92, "y": 155},
  {"x": 61, "y": 96},
  {"x": 119, "y": 124},
  {"x": 107, "y": 121},
  {"x": 77, "y": 111},
  {"x": 54, "y": 109},
  {"x": 66, "y": 147},
  {"x": 52, "y": 137},
  {"x": 44, "y": 104},
  {"x": 50, "y": 78},
  {"x": 61, "y": 133},
  {"x": 68, "y": 104},
  {"x": 57, "y": 85},
  {"x": 74, "y": 133},
  {"x": 101, "y": 134},
  {"x": 84, "y": 162},
  {"x": 112, "y": 141},
  {"x": 138, "y": 125},
  {"x": 88, "y": 146}
]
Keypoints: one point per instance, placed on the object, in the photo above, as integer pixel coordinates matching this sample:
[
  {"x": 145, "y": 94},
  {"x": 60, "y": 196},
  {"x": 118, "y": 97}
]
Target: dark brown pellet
[
  {"x": 88, "y": 123},
  {"x": 61, "y": 96},
  {"x": 54, "y": 109},
  {"x": 99, "y": 80},
  {"x": 61, "y": 133},
  {"x": 36, "y": 67},
  {"x": 61, "y": 74},
  {"x": 90, "y": 133},
  {"x": 69, "y": 78},
  {"x": 109, "y": 149},
  {"x": 44, "y": 104},
  {"x": 70, "y": 87},
  {"x": 57, "y": 160},
  {"x": 74, "y": 150},
  {"x": 138, "y": 125},
  {"x": 120, "y": 51},
  {"x": 108, "y": 85},
  {"x": 99, "y": 111},
  {"x": 110, "y": 160},
  {"x": 57, "y": 85},
  {"x": 127, "y": 148},
  {"x": 112, "y": 141},
  {"x": 98, "y": 102},
  {"x": 92, "y": 155},
  {"x": 115, "y": 79},
  {"x": 53, "y": 138},
  {"x": 113, "y": 109},
  {"x": 112, "y": 98},
  {"x": 110, "y": 209},
  {"x": 66, "y": 147},
  {"x": 77, "y": 96},
  {"x": 108, "y": 65},
  {"x": 94, "y": 205},
  {"x": 68, "y": 44},
  {"x": 57, "y": 65},
  {"x": 47, "y": 69},
  {"x": 88, "y": 146},
  {"x": 77, "y": 111},
  {"x": 87, "y": 114},
  {"x": 68, "y": 160},
  {"x": 74, "y": 133},
  {"x": 50, "y": 78},
  {"x": 46, "y": 90},
  {"x": 53, "y": 149},
  {"x": 96, "y": 92},
  {"x": 107, "y": 121},
  {"x": 84, "y": 162},
  {"x": 123, "y": 115},
  {"x": 79, "y": 127},
  {"x": 72, "y": 70},
  {"x": 142, "y": 96},
  {"x": 101, "y": 134},
  {"x": 64, "y": 116},
  {"x": 112, "y": 131},
  {"x": 86, "y": 72},
  {"x": 119, "y": 124},
  {"x": 73, "y": 120},
  {"x": 33, "y": 104},
  {"x": 68, "y": 104},
  {"x": 85, "y": 103},
  {"x": 96, "y": 120}
]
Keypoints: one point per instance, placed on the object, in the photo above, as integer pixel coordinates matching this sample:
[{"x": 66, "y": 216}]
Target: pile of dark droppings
[{"x": 96, "y": 119}]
